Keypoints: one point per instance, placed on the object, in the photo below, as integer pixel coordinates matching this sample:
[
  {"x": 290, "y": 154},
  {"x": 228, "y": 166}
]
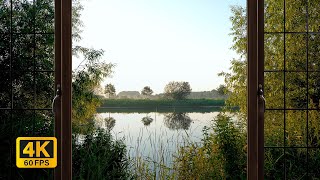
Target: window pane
[
  {"x": 44, "y": 89},
  {"x": 23, "y": 90},
  {"x": 296, "y": 163},
  {"x": 274, "y": 50},
  {"x": 22, "y": 16},
  {"x": 314, "y": 15},
  {"x": 273, "y": 128},
  {"x": 296, "y": 125},
  {"x": 273, "y": 16},
  {"x": 5, "y": 90},
  {"x": 314, "y": 52},
  {"x": 4, "y": 52},
  {"x": 274, "y": 163},
  {"x": 44, "y": 52},
  {"x": 296, "y": 18},
  {"x": 296, "y": 90},
  {"x": 22, "y": 52},
  {"x": 296, "y": 53},
  {"x": 274, "y": 90}
]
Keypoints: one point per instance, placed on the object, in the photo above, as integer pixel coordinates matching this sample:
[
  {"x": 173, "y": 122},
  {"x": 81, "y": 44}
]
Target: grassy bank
[
  {"x": 148, "y": 103},
  {"x": 160, "y": 109}
]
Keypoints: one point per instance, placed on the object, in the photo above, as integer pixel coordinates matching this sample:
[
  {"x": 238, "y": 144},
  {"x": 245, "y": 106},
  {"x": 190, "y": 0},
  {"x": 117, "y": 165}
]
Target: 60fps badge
[{"x": 36, "y": 152}]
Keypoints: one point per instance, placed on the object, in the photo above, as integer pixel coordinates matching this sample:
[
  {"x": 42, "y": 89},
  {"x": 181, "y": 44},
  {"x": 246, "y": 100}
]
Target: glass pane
[
  {"x": 5, "y": 16},
  {"x": 314, "y": 90},
  {"x": 44, "y": 17},
  {"x": 44, "y": 122},
  {"x": 22, "y": 52},
  {"x": 296, "y": 53},
  {"x": 314, "y": 52},
  {"x": 22, "y": 123},
  {"x": 273, "y": 128},
  {"x": 296, "y": 18},
  {"x": 5, "y": 92},
  {"x": 296, "y": 163},
  {"x": 5, "y": 130},
  {"x": 314, "y": 15},
  {"x": 22, "y": 16},
  {"x": 296, "y": 126},
  {"x": 296, "y": 90},
  {"x": 44, "y": 89},
  {"x": 44, "y": 52},
  {"x": 274, "y": 90},
  {"x": 274, "y": 163},
  {"x": 23, "y": 90},
  {"x": 273, "y": 16},
  {"x": 274, "y": 50},
  {"x": 314, "y": 129},
  {"x": 314, "y": 163},
  {"x": 4, "y": 52}
]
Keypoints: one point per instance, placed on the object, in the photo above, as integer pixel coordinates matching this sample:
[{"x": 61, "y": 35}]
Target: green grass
[{"x": 161, "y": 103}]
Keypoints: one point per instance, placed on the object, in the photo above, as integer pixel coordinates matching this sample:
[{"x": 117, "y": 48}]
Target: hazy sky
[{"x": 153, "y": 42}]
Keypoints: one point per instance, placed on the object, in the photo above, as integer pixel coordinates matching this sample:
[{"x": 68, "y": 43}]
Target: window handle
[
  {"x": 260, "y": 93},
  {"x": 56, "y": 98}
]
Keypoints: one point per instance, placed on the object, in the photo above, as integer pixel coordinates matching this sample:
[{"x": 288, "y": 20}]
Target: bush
[
  {"x": 99, "y": 157},
  {"x": 221, "y": 155}
]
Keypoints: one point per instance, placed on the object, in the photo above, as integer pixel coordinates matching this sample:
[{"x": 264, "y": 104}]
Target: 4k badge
[{"x": 36, "y": 152}]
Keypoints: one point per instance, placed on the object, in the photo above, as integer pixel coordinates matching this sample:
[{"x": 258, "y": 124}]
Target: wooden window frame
[
  {"x": 255, "y": 77},
  {"x": 63, "y": 77}
]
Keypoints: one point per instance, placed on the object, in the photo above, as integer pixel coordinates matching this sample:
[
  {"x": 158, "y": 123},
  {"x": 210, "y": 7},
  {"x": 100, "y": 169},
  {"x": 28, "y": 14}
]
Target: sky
[{"x": 153, "y": 42}]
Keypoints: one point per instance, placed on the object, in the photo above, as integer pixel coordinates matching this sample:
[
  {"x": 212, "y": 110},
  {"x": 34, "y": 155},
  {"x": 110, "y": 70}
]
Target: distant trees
[
  {"x": 177, "y": 90},
  {"x": 110, "y": 90},
  {"x": 222, "y": 89},
  {"x": 147, "y": 91}
]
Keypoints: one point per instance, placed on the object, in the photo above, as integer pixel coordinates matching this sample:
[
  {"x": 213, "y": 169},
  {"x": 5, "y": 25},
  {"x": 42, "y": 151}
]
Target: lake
[{"x": 156, "y": 134}]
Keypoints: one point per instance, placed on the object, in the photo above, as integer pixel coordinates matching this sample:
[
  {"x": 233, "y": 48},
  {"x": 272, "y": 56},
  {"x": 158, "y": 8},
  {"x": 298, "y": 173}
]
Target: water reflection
[
  {"x": 110, "y": 122},
  {"x": 175, "y": 121},
  {"x": 147, "y": 120}
]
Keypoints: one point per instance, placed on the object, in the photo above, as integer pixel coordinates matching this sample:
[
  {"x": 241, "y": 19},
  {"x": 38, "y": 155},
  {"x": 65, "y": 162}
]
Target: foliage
[
  {"x": 221, "y": 155},
  {"x": 177, "y": 90},
  {"x": 161, "y": 103},
  {"x": 110, "y": 90},
  {"x": 99, "y": 157},
  {"x": 222, "y": 89},
  {"x": 147, "y": 91}
]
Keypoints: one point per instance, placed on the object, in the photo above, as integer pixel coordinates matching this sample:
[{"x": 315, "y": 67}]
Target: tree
[
  {"x": 222, "y": 89},
  {"x": 110, "y": 90},
  {"x": 147, "y": 91},
  {"x": 177, "y": 90}
]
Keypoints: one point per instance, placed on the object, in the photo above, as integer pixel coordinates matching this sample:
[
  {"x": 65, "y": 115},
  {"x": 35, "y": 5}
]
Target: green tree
[
  {"x": 177, "y": 90},
  {"x": 222, "y": 89},
  {"x": 147, "y": 91},
  {"x": 110, "y": 90}
]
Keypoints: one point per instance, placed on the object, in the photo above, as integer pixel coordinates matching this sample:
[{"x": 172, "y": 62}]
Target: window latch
[
  {"x": 261, "y": 96},
  {"x": 56, "y": 98}
]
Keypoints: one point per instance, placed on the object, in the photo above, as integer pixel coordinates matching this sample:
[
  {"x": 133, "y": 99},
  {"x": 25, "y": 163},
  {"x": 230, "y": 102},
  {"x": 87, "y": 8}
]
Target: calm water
[{"x": 156, "y": 135}]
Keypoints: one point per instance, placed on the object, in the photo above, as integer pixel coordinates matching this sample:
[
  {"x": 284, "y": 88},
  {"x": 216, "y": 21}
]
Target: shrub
[{"x": 99, "y": 156}]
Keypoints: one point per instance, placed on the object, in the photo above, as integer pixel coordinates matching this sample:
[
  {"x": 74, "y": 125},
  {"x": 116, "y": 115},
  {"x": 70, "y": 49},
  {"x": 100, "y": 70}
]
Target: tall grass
[{"x": 99, "y": 156}]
